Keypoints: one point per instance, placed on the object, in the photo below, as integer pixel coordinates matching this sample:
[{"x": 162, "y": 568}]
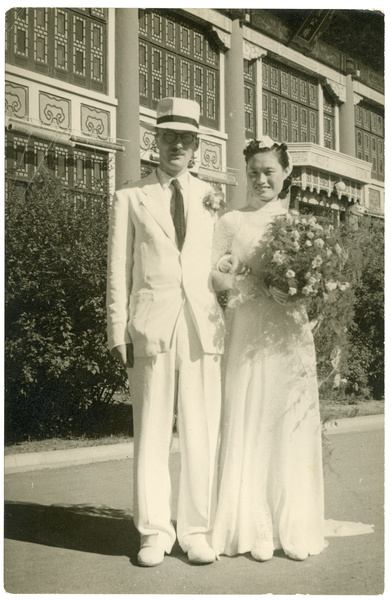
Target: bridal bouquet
[{"x": 304, "y": 258}]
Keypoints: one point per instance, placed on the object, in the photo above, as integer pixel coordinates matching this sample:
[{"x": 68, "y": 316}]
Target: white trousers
[{"x": 194, "y": 378}]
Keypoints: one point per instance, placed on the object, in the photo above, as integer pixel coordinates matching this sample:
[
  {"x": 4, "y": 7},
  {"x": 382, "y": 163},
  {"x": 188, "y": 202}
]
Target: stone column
[
  {"x": 234, "y": 116},
  {"x": 127, "y": 93},
  {"x": 347, "y": 121}
]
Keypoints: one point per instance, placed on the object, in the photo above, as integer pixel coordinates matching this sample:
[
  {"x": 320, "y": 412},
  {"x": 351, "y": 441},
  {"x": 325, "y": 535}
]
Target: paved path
[{"x": 69, "y": 530}]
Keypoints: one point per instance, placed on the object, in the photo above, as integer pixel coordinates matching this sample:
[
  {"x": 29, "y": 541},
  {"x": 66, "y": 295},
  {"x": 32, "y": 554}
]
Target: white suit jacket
[{"x": 149, "y": 278}]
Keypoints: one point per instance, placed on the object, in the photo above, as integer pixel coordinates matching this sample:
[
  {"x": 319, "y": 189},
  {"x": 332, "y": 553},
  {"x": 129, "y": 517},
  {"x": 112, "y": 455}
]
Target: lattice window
[
  {"x": 67, "y": 44},
  {"x": 20, "y": 154},
  {"x": 97, "y": 52},
  {"x": 186, "y": 78},
  {"x": 369, "y": 123},
  {"x": 176, "y": 59},
  {"x": 249, "y": 68},
  {"x": 79, "y": 169},
  {"x": 61, "y": 39},
  {"x": 143, "y": 74},
  {"x": 170, "y": 75},
  {"x": 40, "y": 154},
  {"x": 75, "y": 168},
  {"x": 61, "y": 164},
  {"x": 21, "y": 32},
  {"x": 170, "y": 33},
  {"x": 79, "y": 46},
  {"x": 41, "y": 35},
  {"x": 290, "y": 104}
]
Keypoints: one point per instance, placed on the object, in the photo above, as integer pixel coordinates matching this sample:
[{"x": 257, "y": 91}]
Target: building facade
[{"x": 82, "y": 87}]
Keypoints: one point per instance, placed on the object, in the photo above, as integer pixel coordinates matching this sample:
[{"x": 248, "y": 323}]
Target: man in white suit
[{"x": 165, "y": 322}]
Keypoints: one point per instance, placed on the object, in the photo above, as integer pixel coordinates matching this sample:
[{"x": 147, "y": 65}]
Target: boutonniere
[{"x": 214, "y": 201}]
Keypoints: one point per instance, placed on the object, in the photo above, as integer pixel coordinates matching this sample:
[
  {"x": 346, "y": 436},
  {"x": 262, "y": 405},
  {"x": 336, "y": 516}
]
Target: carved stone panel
[
  {"x": 95, "y": 122},
  {"x": 16, "y": 100},
  {"x": 54, "y": 110},
  {"x": 210, "y": 155}
]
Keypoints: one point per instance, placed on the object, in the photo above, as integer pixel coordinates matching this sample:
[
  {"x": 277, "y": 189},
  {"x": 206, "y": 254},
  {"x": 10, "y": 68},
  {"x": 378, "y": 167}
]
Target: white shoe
[
  {"x": 262, "y": 552},
  {"x": 201, "y": 554},
  {"x": 150, "y": 556},
  {"x": 299, "y": 554}
]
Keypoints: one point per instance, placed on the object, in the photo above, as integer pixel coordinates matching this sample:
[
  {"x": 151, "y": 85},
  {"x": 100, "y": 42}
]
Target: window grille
[
  {"x": 177, "y": 59},
  {"x": 369, "y": 124},
  {"x": 289, "y": 104},
  {"x": 67, "y": 44}
]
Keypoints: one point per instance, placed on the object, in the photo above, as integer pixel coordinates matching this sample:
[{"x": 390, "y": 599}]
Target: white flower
[
  {"x": 292, "y": 291},
  {"x": 307, "y": 290},
  {"x": 328, "y": 252},
  {"x": 319, "y": 243},
  {"x": 278, "y": 257},
  {"x": 317, "y": 261},
  {"x": 295, "y": 235},
  {"x": 312, "y": 221},
  {"x": 213, "y": 201},
  {"x": 344, "y": 286},
  {"x": 294, "y": 212},
  {"x": 290, "y": 274},
  {"x": 308, "y": 243},
  {"x": 296, "y": 246},
  {"x": 330, "y": 285},
  {"x": 310, "y": 234}
]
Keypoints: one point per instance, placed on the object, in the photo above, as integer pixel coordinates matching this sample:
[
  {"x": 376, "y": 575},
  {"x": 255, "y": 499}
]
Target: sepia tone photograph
[{"x": 194, "y": 274}]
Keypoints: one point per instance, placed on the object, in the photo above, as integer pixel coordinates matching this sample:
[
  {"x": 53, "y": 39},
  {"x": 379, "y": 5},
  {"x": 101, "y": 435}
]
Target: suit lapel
[{"x": 154, "y": 201}]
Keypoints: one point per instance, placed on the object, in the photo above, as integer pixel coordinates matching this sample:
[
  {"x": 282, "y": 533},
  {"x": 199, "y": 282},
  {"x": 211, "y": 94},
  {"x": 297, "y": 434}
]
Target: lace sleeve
[{"x": 225, "y": 230}]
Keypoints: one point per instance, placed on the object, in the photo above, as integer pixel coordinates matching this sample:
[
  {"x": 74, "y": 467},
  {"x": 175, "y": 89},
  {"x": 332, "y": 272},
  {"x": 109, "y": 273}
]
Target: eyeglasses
[{"x": 171, "y": 136}]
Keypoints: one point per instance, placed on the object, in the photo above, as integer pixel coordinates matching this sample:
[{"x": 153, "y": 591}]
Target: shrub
[
  {"x": 349, "y": 341},
  {"x": 57, "y": 362},
  {"x": 366, "y": 364}
]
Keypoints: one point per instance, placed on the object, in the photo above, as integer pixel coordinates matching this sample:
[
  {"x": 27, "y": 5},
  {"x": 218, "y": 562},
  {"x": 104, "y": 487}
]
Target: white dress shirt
[{"x": 168, "y": 189}]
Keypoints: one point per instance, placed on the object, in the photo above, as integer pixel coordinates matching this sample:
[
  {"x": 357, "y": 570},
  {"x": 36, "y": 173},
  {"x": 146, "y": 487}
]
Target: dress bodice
[{"x": 239, "y": 232}]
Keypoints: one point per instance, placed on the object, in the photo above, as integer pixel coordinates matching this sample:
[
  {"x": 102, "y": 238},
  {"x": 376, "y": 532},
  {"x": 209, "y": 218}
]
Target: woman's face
[{"x": 265, "y": 176}]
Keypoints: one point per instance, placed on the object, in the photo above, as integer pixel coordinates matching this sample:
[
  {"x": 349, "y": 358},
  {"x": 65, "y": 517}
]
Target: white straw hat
[{"x": 178, "y": 113}]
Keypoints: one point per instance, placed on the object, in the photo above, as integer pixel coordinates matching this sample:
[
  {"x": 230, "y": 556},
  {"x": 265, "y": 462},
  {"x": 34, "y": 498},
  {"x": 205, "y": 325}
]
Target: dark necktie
[{"x": 178, "y": 213}]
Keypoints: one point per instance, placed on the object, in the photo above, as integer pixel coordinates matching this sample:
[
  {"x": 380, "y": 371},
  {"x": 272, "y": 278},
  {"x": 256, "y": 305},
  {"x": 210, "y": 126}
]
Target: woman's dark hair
[{"x": 281, "y": 150}]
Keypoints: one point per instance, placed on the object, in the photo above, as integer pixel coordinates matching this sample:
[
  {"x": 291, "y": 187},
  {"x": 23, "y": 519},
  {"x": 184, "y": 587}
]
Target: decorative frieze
[
  {"x": 211, "y": 154},
  {"x": 95, "y": 122},
  {"x": 16, "y": 100},
  {"x": 54, "y": 110}
]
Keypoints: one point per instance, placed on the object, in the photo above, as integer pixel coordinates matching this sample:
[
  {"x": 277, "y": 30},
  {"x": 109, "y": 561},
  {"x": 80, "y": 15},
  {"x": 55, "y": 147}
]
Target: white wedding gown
[{"x": 270, "y": 468}]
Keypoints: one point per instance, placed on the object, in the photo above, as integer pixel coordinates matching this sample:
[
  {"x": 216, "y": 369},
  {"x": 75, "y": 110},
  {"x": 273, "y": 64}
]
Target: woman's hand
[{"x": 230, "y": 263}]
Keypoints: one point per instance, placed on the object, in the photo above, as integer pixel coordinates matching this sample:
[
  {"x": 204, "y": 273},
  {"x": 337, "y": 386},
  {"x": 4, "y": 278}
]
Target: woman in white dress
[{"x": 270, "y": 471}]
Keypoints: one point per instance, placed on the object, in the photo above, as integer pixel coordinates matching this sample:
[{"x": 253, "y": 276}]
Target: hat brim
[{"x": 178, "y": 126}]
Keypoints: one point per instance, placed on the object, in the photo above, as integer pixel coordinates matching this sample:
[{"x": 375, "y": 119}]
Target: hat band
[{"x": 176, "y": 119}]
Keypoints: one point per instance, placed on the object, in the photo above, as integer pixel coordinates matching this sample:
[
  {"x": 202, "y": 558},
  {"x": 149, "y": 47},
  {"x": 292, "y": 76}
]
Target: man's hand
[{"x": 124, "y": 353}]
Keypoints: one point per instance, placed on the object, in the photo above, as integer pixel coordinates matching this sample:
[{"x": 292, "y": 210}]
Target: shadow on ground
[
  {"x": 79, "y": 527},
  {"x": 98, "y": 530}
]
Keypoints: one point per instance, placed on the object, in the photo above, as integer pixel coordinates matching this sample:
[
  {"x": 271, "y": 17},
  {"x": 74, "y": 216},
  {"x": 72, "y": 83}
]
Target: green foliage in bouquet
[{"x": 56, "y": 356}]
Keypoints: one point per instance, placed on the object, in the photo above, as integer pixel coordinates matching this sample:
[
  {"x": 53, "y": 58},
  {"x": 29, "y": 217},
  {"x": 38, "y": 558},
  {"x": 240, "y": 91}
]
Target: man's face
[{"x": 176, "y": 148}]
